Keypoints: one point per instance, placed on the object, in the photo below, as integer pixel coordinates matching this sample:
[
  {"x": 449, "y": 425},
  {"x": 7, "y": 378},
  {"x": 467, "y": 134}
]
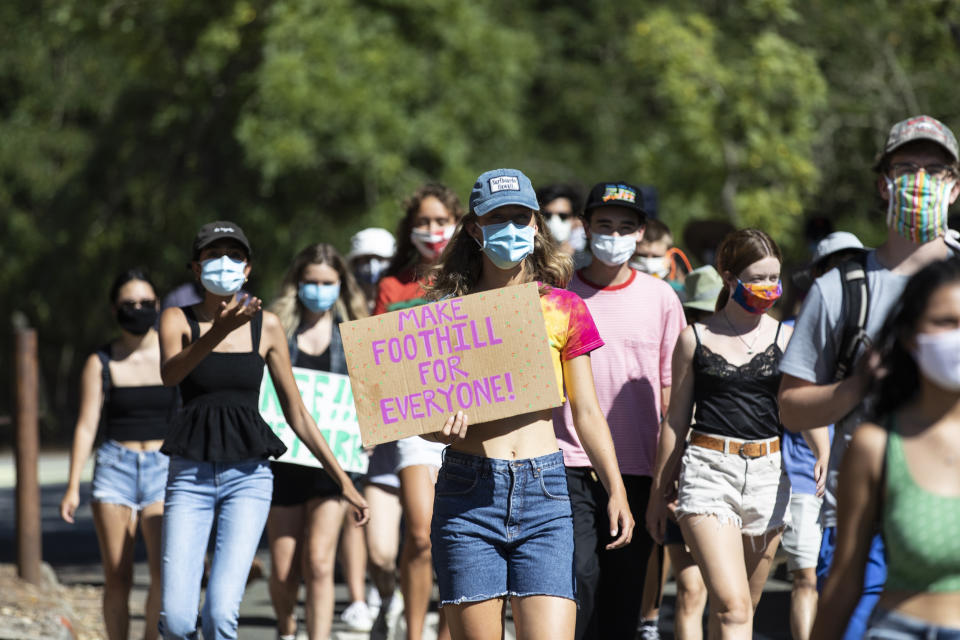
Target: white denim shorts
[
  {"x": 801, "y": 540},
  {"x": 753, "y": 493},
  {"x": 415, "y": 450}
]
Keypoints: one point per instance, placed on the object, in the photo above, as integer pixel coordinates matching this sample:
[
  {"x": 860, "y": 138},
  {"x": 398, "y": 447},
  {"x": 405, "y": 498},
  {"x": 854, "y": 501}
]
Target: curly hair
[
  {"x": 407, "y": 256},
  {"x": 351, "y": 305},
  {"x": 740, "y": 249},
  {"x": 458, "y": 269}
]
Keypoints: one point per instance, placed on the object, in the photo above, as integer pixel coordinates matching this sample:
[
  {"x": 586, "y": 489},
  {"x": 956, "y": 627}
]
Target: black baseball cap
[
  {"x": 213, "y": 231},
  {"x": 620, "y": 194}
]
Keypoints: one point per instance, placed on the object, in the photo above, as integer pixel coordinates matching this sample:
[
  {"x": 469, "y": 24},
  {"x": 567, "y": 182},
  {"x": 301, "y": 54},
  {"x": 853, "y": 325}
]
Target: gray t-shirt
[{"x": 812, "y": 352}]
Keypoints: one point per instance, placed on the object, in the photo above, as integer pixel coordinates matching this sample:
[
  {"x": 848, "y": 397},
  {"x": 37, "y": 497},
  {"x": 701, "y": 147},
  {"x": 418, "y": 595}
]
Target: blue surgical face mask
[
  {"x": 222, "y": 276},
  {"x": 318, "y": 297},
  {"x": 507, "y": 244}
]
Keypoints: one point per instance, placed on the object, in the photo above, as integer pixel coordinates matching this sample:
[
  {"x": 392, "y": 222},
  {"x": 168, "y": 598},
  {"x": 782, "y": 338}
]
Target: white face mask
[
  {"x": 578, "y": 239},
  {"x": 938, "y": 357},
  {"x": 654, "y": 265},
  {"x": 560, "y": 229},
  {"x": 613, "y": 250}
]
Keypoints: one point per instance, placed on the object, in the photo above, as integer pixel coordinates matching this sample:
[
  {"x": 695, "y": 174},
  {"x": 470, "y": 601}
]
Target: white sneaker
[
  {"x": 373, "y": 598},
  {"x": 357, "y": 616}
]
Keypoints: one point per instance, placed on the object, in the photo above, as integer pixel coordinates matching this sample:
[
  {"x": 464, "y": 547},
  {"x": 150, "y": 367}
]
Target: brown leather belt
[{"x": 735, "y": 447}]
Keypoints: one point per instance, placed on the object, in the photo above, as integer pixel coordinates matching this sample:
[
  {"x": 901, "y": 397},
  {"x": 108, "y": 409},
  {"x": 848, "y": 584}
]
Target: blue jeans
[
  {"x": 502, "y": 528},
  {"x": 889, "y": 625},
  {"x": 874, "y": 577},
  {"x": 237, "y": 495}
]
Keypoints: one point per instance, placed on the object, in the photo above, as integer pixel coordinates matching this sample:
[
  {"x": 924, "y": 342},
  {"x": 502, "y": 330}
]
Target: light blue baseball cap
[{"x": 501, "y": 187}]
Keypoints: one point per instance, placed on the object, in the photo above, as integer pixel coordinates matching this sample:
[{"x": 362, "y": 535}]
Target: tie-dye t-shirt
[{"x": 570, "y": 328}]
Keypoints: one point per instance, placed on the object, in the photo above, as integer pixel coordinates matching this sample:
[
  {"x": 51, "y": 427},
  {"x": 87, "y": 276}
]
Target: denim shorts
[
  {"x": 135, "y": 479},
  {"x": 502, "y": 528},
  {"x": 752, "y": 493},
  {"x": 890, "y": 625}
]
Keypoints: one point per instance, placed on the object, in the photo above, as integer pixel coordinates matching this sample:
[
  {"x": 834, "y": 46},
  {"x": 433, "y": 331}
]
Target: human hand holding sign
[{"x": 453, "y": 430}]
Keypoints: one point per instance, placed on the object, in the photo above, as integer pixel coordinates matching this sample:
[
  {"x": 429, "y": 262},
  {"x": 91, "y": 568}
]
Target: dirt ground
[{"x": 48, "y": 610}]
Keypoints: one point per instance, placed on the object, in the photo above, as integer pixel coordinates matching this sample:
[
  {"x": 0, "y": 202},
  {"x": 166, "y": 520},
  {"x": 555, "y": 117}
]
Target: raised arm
[
  {"x": 594, "y": 434},
  {"x": 91, "y": 403},
  {"x": 673, "y": 434},
  {"x": 179, "y": 356},
  {"x": 858, "y": 509},
  {"x": 297, "y": 415}
]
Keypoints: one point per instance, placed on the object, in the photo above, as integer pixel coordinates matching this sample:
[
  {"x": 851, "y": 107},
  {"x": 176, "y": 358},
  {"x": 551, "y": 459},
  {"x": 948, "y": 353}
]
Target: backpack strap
[{"x": 853, "y": 313}]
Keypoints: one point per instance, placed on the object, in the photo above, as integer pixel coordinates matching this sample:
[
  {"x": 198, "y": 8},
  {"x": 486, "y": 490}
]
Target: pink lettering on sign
[
  {"x": 448, "y": 398},
  {"x": 435, "y": 341}
]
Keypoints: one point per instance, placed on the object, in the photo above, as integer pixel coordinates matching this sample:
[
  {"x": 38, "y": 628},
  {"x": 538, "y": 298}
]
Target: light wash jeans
[{"x": 236, "y": 495}]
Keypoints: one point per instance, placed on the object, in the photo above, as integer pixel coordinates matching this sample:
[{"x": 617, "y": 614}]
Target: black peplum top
[{"x": 220, "y": 420}]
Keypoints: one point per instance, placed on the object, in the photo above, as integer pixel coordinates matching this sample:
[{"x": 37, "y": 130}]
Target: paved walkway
[{"x": 72, "y": 551}]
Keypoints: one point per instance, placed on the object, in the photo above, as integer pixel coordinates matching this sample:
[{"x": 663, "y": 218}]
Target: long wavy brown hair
[
  {"x": 407, "y": 256},
  {"x": 458, "y": 269},
  {"x": 351, "y": 305}
]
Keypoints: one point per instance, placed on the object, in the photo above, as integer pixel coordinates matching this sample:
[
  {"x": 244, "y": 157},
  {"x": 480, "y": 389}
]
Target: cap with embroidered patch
[
  {"x": 919, "y": 128},
  {"x": 620, "y": 194},
  {"x": 213, "y": 231},
  {"x": 501, "y": 187}
]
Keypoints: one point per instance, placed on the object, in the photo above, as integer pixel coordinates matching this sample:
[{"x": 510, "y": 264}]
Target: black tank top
[
  {"x": 220, "y": 420},
  {"x": 737, "y": 402},
  {"x": 134, "y": 413}
]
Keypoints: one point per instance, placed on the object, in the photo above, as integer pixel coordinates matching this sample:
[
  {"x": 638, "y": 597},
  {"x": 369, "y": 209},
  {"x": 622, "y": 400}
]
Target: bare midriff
[
  {"x": 141, "y": 445},
  {"x": 940, "y": 609},
  {"x": 529, "y": 435}
]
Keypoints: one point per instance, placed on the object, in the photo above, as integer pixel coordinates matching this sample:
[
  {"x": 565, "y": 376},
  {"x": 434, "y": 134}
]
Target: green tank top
[{"x": 920, "y": 530}]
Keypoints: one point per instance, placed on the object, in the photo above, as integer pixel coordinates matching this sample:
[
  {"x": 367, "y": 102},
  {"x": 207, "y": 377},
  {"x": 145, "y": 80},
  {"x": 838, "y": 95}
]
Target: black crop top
[
  {"x": 737, "y": 402},
  {"x": 134, "y": 413},
  {"x": 220, "y": 420}
]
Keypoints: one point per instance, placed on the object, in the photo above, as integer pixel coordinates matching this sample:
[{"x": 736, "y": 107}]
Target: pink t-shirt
[{"x": 640, "y": 322}]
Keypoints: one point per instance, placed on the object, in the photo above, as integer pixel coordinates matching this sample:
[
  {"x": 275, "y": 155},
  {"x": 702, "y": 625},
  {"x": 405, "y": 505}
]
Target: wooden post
[{"x": 29, "y": 532}]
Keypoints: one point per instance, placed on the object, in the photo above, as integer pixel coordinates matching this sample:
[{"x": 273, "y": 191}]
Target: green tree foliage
[{"x": 125, "y": 125}]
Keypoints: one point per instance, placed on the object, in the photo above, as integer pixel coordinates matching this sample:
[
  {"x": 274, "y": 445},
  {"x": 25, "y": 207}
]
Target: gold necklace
[{"x": 748, "y": 345}]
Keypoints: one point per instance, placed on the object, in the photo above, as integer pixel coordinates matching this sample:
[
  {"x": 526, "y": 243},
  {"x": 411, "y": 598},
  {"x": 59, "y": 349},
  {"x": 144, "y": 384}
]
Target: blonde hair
[
  {"x": 458, "y": 269},
  {"x": 350, "y": 306}
]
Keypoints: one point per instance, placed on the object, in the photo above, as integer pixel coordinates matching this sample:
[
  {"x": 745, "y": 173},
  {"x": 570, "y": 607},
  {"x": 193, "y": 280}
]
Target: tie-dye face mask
[
  {"x": 756, "y": 298},
  {"x": 917, "y": 208}
]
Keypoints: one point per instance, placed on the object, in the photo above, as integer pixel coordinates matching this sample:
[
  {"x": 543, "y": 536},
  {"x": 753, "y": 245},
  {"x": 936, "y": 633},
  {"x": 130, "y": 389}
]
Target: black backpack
[
  {"x": 856, "y": 305},
  {"x": 854, "y": 308}
]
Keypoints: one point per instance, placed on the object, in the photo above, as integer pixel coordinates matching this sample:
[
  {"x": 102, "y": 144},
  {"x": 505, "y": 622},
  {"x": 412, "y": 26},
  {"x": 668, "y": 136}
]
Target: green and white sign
[{"x": 329, "y": 400}]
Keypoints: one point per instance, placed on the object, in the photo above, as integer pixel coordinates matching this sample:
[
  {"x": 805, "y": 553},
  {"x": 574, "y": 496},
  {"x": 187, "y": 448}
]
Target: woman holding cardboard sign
[
  {"x": 218, "y": 444},
  {"x": 486, "y": 548},
  {"x": 307, "y": 514},
  {"x": 431, "y": 214}
]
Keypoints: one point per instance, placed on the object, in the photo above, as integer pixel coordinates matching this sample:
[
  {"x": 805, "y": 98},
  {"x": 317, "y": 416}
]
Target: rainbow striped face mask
[{"x": 918, "y": 204}]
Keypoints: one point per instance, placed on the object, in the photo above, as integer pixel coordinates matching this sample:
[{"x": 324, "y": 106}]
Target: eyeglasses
[
  {"x": 904, "y": 168},
  {"x": 130, "y": 305},
  {"x": 563, "y": 215}
]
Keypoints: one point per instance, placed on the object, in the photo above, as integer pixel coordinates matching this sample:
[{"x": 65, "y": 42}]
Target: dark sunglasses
[
  {"x": 560, "y": 214},
  {"x": 130, "y": 305}
]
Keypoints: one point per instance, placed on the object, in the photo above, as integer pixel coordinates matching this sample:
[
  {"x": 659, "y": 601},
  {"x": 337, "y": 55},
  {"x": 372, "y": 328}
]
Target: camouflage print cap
[{"x": 921, "y": 128}]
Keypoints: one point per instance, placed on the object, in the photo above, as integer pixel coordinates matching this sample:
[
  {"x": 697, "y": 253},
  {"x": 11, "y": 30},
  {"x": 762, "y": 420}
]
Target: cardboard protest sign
[
  {"x": 329, "y": 400},
  {"x": 485, "y": 354}
]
